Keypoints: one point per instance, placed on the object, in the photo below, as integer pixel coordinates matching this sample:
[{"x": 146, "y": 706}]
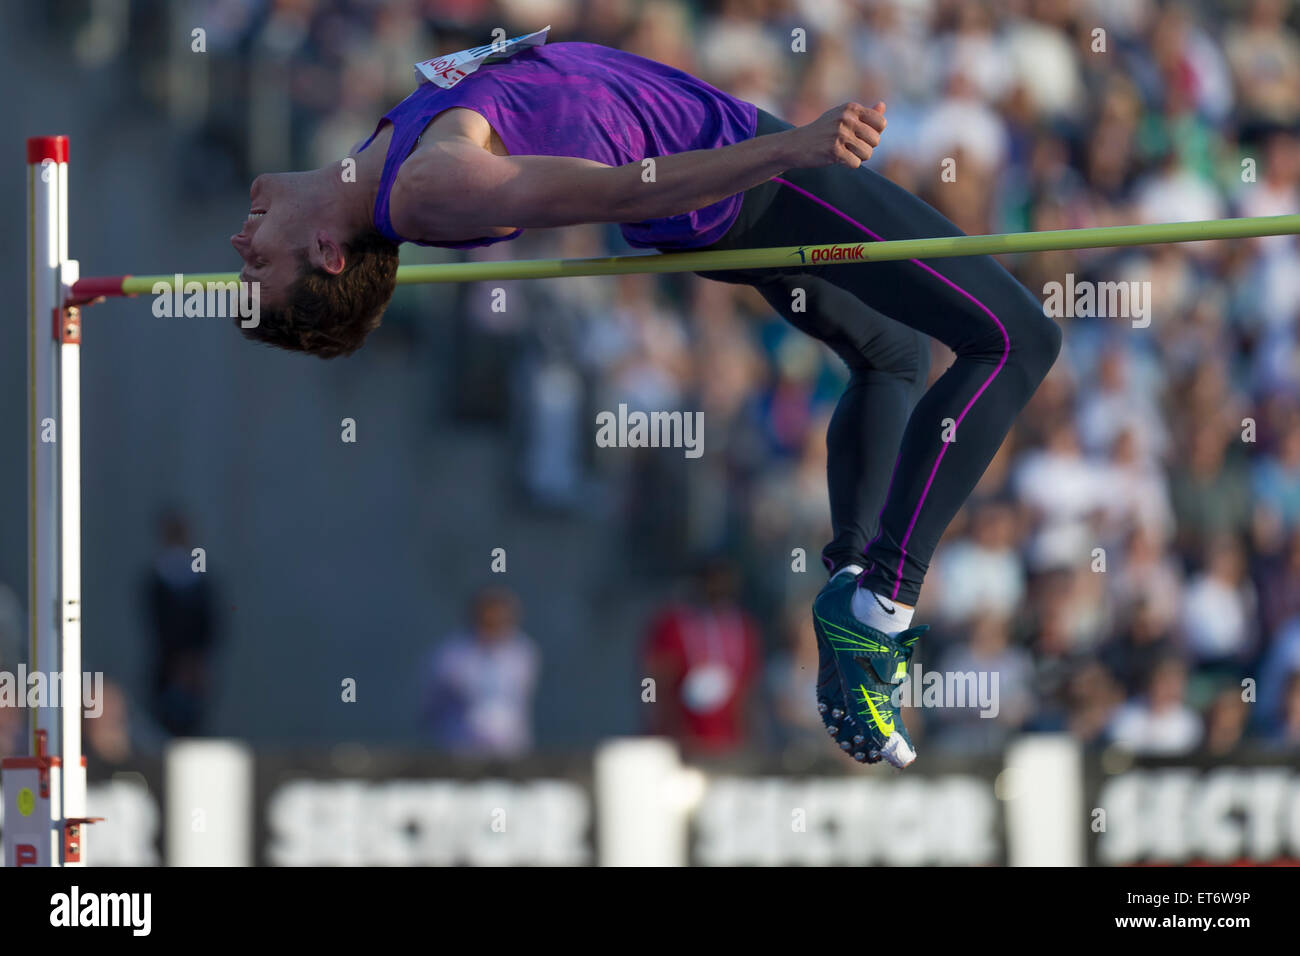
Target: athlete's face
[{"x": 277, "y": 227}]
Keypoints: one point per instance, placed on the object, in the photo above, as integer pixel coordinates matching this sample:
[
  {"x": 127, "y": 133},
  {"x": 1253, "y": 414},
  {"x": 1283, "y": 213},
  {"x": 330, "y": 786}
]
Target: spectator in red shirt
[{"x": 704, "y": 655}]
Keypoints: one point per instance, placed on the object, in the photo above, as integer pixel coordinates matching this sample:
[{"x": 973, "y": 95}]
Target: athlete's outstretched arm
[{"x": 458, "y": 182}]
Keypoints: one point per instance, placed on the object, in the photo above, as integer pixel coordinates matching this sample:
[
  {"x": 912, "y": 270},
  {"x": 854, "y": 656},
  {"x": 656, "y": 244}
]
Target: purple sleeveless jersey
[{"x": 591, "y": 102}]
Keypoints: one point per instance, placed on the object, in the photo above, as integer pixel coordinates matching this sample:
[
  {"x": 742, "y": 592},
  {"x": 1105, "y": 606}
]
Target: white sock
[
  {"x": 854, "y": 569},
  {"x": 876, "y": 610}
]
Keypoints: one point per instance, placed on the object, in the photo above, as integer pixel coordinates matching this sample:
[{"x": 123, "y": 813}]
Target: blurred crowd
[
  {"x": 181, "y": 638},
  {"x": 1129, "y": 567}
]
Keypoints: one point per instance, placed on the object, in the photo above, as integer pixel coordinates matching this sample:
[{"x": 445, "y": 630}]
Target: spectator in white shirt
[
  {"x": 1160, "y": 722},
  {"x": 480, "y": 683}
]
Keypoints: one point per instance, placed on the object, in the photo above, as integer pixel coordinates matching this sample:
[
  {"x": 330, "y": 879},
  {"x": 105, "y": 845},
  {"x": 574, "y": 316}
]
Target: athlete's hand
[{"x": 846, "y": 134}]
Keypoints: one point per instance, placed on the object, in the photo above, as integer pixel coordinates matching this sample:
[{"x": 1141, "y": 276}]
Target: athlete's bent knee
[
  {"x": 1038, "y": 343},
  {"x": 1020, "y": 338}
]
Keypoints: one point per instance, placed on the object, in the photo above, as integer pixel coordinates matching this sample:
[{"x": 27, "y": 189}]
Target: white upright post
[
  {"x": 51, "y": 785},
  {"x": 71, "y": 703},
  {"x": 47, "y": 168}
]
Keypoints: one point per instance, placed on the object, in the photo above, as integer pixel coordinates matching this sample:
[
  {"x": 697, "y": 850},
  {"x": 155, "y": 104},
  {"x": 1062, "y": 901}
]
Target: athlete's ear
[{"x": 325, "y": 253}]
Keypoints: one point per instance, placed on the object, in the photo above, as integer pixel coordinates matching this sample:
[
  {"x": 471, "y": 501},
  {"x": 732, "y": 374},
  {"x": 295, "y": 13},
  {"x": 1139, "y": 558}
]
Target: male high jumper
[{"x": 555, "y": 135}]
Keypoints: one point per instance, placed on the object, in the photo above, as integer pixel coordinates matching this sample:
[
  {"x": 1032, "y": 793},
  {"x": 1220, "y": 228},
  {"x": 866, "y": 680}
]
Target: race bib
[
  {"x": 706, "y": 688},
  {"x": 447, "y": 71}
]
